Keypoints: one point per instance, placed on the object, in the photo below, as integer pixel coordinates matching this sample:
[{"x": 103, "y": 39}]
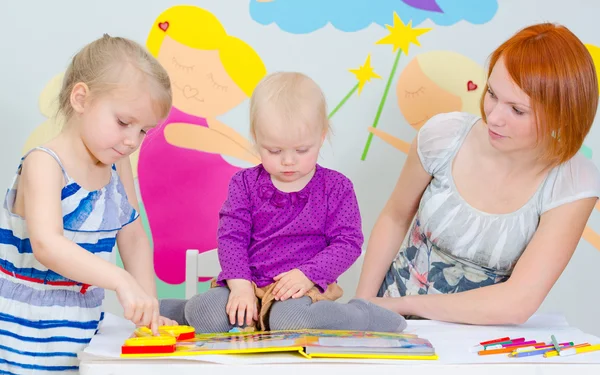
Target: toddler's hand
[
  {"x": 291, "y": 284},
  {"x": 242, "y": 302}
]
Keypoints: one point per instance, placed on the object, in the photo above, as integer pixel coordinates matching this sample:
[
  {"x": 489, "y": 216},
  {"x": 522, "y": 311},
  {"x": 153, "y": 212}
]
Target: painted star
[
  {"x": 364, "y": 74},
  {"x": 401, "y": 35}
]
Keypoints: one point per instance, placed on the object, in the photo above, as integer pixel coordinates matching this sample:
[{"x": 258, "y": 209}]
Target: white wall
[{"x": 40, "y": 36}]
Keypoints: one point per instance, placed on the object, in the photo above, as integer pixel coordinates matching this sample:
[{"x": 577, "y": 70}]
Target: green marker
[
  {"x": 485, "y": 347},
  {"x": 555, "y": 343}
]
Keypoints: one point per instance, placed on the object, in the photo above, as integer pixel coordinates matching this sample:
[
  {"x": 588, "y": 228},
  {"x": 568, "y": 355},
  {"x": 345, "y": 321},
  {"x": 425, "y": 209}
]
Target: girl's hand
[
  {"x": 138, "y": 306},
  {"x": 162, "y": 321}
]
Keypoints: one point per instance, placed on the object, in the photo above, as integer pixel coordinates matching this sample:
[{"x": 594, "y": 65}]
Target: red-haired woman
[{"x": 488, "y": 210}]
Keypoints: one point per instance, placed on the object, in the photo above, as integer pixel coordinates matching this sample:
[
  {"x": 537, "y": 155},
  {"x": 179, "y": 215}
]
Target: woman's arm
[
  {"x": 132, "y": 240},
  {"x": 392, "y": 224},
  {"x": 514, "y": 301}
]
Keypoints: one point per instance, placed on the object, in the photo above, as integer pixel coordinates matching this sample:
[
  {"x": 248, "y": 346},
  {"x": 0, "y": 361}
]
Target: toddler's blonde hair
[{"x": 295, "y": 98}]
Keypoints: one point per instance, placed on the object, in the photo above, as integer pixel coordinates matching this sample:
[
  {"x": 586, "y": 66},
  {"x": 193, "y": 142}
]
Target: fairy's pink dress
[{"x": 182, "y": 191}]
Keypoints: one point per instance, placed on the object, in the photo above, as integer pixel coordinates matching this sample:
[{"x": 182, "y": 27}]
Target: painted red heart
[
  {"x": 471, "y": 86},
  {"x": 163, "y": 26}
]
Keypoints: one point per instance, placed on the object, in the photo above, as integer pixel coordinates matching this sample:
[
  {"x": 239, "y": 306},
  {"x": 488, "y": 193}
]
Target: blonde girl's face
[
  {"x": 288, "y": 152},
  {"x": 114, "y": 124},
  {"x": 201, "y": 86}
]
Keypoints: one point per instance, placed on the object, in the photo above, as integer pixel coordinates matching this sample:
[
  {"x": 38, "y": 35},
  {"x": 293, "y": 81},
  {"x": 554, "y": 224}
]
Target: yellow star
[
  {"x": 402, "y": 35},
  {"x": 364, "y": 73}
]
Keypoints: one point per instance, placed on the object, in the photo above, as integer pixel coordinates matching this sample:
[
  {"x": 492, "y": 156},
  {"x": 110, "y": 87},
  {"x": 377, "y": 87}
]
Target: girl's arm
[
  {"x": 514, "y": 301},
  {"x": 41, "y": 184},
  {"x": 392, "y": 224},
  {"x": 132, "y": 240}
]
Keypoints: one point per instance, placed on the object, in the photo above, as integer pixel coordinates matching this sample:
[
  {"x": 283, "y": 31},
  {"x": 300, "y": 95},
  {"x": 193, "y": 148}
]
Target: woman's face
[{"x": 510, "y": 119}]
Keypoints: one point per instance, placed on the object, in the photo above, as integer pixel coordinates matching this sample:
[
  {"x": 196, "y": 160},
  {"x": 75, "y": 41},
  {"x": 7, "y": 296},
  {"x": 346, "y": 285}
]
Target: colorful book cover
[{"x": 309, "y": 343}]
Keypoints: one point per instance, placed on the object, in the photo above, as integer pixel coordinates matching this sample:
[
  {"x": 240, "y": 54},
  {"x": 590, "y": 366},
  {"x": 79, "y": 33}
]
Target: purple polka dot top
[{"x": 264, "y": 232}]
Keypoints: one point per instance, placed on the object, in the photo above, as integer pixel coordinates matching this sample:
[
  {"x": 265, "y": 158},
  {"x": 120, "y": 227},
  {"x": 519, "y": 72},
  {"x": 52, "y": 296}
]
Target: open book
[{"x": 309, "y": 343}]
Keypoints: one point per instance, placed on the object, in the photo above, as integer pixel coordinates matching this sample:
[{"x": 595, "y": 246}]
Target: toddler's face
[{"x": 288, "y": 152}]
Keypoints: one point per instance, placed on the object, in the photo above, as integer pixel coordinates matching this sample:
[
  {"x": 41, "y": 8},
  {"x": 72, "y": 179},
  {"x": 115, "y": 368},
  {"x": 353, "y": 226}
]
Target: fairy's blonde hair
[
  {"x": 100, "y": 66},
  {"x": 295, "y": 97},
  {"x": 452, "y": 71},
  {"x": 199, "y": 29}
]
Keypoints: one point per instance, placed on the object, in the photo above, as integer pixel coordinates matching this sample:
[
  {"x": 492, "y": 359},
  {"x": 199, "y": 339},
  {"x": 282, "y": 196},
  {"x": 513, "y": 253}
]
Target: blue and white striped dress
[{"x": 45, "y": 318}]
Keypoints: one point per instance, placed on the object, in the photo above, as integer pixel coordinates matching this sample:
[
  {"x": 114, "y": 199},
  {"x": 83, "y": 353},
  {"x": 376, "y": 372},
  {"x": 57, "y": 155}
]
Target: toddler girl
[{"x": 288, "y": 229}]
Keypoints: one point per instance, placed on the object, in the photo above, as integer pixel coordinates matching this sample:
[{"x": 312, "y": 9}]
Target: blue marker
[{"x": 531, "y": 352}]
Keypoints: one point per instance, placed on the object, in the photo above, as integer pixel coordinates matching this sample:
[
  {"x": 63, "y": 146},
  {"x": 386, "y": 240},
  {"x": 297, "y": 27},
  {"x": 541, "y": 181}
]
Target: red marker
[{"x": 495, "y": 341}]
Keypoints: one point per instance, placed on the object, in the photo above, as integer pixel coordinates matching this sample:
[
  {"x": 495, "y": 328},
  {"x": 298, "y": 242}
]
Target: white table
[{"x": 452, "y": 343}]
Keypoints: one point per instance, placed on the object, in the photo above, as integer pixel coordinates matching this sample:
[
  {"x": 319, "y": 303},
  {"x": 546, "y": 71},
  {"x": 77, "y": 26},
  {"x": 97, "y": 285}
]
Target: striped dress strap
[{"x": 54, "y": 155}]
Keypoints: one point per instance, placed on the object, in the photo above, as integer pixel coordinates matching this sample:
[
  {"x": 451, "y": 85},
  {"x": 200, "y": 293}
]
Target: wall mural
[
  {"x": 400, "y": 37},
  {"x": 435, "y": 82},
  {"x": 182, "y": 175},
  {"x": 306, "y": 16},
  {"x": 48, "y": 103},
  {"x": 182, "y": 168},
  {"x": 589, "y": 234}
]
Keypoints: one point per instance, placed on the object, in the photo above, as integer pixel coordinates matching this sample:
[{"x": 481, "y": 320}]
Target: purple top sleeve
[
  {"x": 344, "y": 237},
  {"x": 234, "y": 232}
]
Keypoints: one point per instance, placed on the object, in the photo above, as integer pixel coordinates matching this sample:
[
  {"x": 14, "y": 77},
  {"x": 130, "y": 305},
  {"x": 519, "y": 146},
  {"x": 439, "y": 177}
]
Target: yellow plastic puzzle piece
[
  {"x": 178, "y": 332},
  {"x": 151, "y": 341}
]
